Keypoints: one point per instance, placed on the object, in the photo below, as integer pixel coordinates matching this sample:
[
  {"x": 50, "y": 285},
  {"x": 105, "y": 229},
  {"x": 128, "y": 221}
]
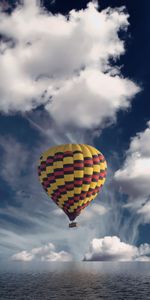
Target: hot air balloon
[{"x": 72, "y": 175}]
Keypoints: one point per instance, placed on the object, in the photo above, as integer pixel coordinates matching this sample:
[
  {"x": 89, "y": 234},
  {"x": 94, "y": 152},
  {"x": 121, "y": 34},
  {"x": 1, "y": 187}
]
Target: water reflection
[{"x": 85, "y": 280}]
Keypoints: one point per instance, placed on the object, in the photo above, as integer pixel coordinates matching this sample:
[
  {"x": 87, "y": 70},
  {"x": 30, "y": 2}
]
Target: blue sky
[{"x": 75, "y": 73}]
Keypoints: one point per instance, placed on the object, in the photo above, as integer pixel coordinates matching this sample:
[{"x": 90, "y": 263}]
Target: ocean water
[{"x": 83, "y": 280}]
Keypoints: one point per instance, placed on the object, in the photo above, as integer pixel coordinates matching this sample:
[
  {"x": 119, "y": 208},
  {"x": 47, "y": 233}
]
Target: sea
[{"x": 76, "y": 280}]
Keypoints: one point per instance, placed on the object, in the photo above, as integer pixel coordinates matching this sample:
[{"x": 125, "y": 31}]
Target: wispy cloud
[
  {"x": 53, "y": 2},
  {"x": 34, "y": 219},
  {"x": 96, "y": 210},
  {"x": 30, "y": 219}
]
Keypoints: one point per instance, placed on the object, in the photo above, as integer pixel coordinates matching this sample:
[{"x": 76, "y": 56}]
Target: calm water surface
[{"x": 85, "y": 280}]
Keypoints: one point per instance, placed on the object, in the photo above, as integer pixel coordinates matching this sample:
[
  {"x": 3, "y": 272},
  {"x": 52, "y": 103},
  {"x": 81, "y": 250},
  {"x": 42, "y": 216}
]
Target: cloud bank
[
  {"x": 110, "y": 248},
  {"x": 44, "y": 253},
  {"x": 134, "y": 176},
  {"x": 63, "y": 63}
]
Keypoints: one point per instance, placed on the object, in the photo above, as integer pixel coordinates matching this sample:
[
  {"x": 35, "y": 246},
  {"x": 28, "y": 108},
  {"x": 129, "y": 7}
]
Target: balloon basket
[{"x": 73, "y": 224}]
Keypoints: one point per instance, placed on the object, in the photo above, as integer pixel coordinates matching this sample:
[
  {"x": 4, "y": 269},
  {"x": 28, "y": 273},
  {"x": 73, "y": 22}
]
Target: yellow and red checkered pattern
[{"x": 72, "y": 175}]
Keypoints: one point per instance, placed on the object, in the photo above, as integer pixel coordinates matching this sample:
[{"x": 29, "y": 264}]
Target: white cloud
[
  {"x": 58, "y": 212},
  {"x": 23, "y": 256},
  {"x": 91, "y": 98},
  {"x": 134, "y": 176},
  {"x": 110, "y": 248},
  {"x": 63, "y": 63},
  {"x": 60, "y": 256},
  {"x": 44, "y": 253},
  {"x": 143, "y": 258}
]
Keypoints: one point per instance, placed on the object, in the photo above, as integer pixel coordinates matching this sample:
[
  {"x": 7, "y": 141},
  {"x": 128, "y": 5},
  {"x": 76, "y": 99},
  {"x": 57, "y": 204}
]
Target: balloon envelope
[{"x": 72, "y": 175}]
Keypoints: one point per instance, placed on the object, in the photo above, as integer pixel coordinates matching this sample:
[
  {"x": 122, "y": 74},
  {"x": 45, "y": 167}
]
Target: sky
[{"x": 75, "y": 72}]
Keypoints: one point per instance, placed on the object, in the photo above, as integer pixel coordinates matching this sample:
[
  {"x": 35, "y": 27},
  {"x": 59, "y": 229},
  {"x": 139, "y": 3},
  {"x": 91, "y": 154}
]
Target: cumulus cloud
[
  {"x": 110, "y": 248},
  {"x": 87, "y": 100},
  {"x": 64, "y": 64},
  {"x": 134, "y": 176},
  {"x": 22, "y": 256},
  {"x": 44, "y": 253}
]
